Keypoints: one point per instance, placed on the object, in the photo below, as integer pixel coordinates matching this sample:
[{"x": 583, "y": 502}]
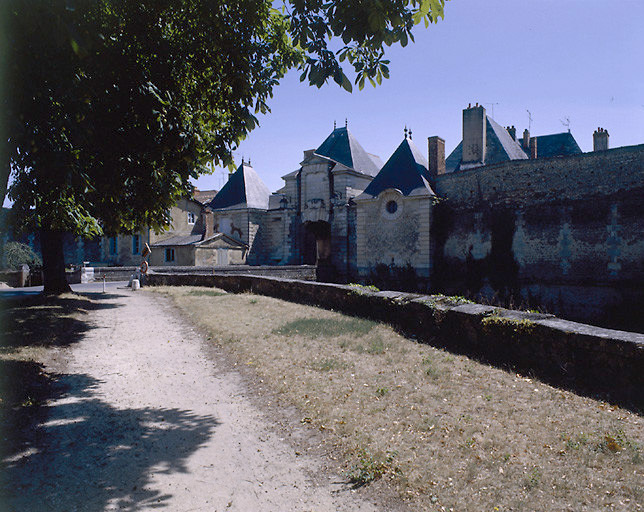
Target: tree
[
  {"x": 111, "y": 106},
  {"x": 15, "y": 254}
]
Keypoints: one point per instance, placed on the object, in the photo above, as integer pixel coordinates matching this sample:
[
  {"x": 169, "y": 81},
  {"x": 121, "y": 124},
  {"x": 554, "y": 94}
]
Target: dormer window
[{"x": 191, "y": 218}]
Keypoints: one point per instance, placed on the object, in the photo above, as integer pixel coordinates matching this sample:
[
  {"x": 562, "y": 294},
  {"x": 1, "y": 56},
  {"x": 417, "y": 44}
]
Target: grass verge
[{"x": 448, "y": 432}]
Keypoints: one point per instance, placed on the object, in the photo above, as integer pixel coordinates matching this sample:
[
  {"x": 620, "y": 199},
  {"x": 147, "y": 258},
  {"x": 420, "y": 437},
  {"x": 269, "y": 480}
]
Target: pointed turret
[
  {"x": 342, "y": 147},
  {"x": 244, "y": 189},
  {"x": 406, "y": 170}
]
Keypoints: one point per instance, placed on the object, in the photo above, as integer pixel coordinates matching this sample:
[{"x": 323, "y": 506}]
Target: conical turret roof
[
  {"x": 342, "y": 147},
  {"x": 245, "y": 189},
  {"x": 406, "y": 170}
]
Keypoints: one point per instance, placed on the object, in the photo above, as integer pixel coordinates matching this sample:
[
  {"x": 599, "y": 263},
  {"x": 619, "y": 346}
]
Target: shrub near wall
[{"x": 582, "y": 357}]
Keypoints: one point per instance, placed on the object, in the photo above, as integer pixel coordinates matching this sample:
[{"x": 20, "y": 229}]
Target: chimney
[
  {"x": 533, "y": 148},
  {"x": 513, "y": 132},
  {"x": 209, "y": 223},
  {"x": 474, "y": 135},
  {"x": 525, "y": 143},
  {"x": 600, "y": 140},
  {"x": 436, "y": 156}
]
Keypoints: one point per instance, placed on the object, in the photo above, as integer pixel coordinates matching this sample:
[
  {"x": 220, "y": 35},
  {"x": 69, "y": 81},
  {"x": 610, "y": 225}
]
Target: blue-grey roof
[
  {"x": 406, "y": 170},
  {"x": 244, "y": 189},
  {"x": 178, "y": 240},
  {"x": 499, "y": 147},
  {"x": 342, "y": 147},
  {"x": 556, "y": 144}
]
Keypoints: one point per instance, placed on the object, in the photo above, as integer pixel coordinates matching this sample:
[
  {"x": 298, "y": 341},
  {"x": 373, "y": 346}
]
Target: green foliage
[
  {"x": 113, "y": 105},
  {"x": 361, "y": 289},
  {"x": 369, "y": 467},
  {"x": 325, "y": 327},
  {"x": 523, "y": 327},
  {"x": 327, "y": 365},
  {"x": 207, "y": 293},
  {"x": 14, "y": 254}
]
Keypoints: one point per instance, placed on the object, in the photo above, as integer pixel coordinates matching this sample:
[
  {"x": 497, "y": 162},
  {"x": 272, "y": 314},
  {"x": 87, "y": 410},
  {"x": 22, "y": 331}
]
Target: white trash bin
[{"x": 136, "y": 284}]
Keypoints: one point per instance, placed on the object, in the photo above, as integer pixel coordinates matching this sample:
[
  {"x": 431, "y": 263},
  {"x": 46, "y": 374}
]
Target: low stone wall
[
  {"x": 14, "y": 278},
  {"x": 302, "y": 272},
  {"x": 588, "y": 359}
]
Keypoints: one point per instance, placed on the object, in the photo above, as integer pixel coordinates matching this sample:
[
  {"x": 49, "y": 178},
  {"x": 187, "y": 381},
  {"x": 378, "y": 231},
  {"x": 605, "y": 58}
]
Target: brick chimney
[
  {"x": 525, "y": 142},
  {"x": 513, "y": 132},
  {"x": 600, "y": 140},
  {"x": 209, "y": 223},
  {"x": 474, "y": 135},
  {"x": 533, "y": 148},
  {"x": 436, "y": 147}
]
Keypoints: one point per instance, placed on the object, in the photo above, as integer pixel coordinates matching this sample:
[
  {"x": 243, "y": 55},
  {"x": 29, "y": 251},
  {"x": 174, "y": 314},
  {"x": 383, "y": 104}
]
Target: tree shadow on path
[{"x": 87, "y": 455}]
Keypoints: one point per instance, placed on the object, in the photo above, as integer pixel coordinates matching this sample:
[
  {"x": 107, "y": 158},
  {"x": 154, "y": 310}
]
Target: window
[
  {"x": 136, "y": 244},
  {"x": 191, "y": 218},
  {"x": 114, "y": 246},
  {"x": 392, "y": 206},
  {"x": 169, "y": 254}
]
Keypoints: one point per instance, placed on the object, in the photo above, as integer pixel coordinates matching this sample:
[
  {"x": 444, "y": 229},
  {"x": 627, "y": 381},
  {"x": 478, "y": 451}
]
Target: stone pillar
[
  {"x": 525, "y": 142},
  {"x": 474, "y": 135},
  {"x": 600, "y": 140},
  {"x": 513, "y": 132},
  {"x": 533, "y": 148},
  {"x": 436, "y": 147},
  {"x": 209, "y": 224}
]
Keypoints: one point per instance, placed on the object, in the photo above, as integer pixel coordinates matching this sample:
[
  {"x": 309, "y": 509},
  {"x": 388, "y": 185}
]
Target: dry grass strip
[{"x": 450, "y": 433}]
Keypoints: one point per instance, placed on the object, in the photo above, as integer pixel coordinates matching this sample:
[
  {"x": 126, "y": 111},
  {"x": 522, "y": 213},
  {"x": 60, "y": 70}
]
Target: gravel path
[{"x": 152, "y": 419}]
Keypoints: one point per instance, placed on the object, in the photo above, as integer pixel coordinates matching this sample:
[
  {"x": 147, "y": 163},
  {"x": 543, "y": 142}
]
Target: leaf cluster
[{"x": 112, "y": 106}]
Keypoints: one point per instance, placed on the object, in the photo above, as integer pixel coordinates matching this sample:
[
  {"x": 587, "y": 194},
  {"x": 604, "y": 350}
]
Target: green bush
[{"x": 15, "y": 254}]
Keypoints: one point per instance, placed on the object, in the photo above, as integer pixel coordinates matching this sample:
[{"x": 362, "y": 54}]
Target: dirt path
[{"x": 151, "y": 420}]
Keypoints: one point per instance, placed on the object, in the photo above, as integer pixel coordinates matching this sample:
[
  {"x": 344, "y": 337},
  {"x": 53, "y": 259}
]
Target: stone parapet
[{"x": 590, "y": 360}]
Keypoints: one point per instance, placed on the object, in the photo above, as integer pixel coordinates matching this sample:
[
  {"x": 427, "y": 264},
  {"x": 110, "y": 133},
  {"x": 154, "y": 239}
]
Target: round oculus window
[{"x": 392, "y": 207}]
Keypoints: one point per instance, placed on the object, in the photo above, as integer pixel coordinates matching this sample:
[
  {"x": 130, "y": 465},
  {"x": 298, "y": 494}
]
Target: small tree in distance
[{"x": 111, "y": 106}]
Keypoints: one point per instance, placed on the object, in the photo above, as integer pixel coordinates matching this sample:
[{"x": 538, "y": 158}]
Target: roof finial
[
  {"x": 346, "y": 122},
  {"x": 334, "y": 124},
  {"x": 249, "y": 162},
  {"x": 410, "y": 134},
  {"x": 406, "y": 131},
  {"x": 242, "y": 159}
]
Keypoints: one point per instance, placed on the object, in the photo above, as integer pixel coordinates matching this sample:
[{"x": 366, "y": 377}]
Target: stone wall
[
  {"x": 588, "y": 359},
  {"x": 302, "y": 272},
  {"x": 398, "y": 240},
  {"x": 565, "y": 234}
]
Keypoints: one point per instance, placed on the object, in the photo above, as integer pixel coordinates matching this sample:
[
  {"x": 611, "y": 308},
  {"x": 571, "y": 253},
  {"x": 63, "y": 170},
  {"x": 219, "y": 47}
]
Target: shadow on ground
[
  {"x": 42, "y": 321},
  {"x": 84, "y": 454}
]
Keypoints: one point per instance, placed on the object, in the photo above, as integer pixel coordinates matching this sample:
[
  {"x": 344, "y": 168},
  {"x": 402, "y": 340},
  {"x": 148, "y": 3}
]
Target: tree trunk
[{"x": 55, "y": 280}]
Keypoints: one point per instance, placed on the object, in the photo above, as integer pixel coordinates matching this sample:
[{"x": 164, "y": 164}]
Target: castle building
[{"x": 533, "y": 219}]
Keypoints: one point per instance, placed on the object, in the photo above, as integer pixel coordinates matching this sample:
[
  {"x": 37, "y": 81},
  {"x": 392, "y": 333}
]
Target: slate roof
[
  {"x": 500, "y": 147},
  {"x": 244, "y": 189},
  {"x": 342, "y": 147},
  {"x": 556, "y": 144},
  {"x": 406, "y": 170},
  {"x": 178, "y": 240},
  {"x": 204, "y": 196}
]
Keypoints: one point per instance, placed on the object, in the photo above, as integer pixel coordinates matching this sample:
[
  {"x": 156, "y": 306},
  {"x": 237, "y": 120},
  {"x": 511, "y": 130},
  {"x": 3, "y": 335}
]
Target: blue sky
[{"x": 576, "y": 59}]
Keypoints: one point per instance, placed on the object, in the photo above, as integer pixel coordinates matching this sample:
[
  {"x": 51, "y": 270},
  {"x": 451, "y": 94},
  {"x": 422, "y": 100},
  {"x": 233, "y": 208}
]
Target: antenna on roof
[
  {"x": 492, "y": 103},
  {"x": 529, "y": 120},
  {"x": 566, "y": 122}
]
